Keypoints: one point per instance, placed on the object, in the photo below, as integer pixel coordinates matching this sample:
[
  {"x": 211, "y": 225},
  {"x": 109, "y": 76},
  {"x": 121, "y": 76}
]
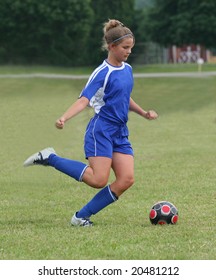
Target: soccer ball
[{"x": 163, "y": 212}]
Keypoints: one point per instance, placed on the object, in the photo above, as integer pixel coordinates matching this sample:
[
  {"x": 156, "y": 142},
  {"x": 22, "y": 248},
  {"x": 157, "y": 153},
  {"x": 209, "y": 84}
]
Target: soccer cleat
[
  {"x": 80, "y": 222},
  {"x": 40, "y": 158}
]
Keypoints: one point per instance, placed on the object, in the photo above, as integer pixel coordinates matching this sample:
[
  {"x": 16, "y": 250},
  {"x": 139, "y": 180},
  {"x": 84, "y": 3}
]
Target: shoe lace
[
  {"x": 87, "y": 222},
  {"x": 39, "y": 159}
]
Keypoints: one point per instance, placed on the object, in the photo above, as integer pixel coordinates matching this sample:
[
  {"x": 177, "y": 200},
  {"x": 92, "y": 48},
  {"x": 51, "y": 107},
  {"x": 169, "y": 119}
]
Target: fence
[{"x": 152, "y": 53}]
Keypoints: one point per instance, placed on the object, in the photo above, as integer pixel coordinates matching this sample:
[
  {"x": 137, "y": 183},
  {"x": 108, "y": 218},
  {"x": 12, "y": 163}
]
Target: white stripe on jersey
[{"x": 96, "y": 71}]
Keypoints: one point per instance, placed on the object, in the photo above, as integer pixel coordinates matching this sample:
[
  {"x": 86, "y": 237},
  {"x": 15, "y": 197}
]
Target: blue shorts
[{"x": 103, "y": 138}]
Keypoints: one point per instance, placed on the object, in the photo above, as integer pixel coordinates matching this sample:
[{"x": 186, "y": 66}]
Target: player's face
[{"x": 120, "y": 52}]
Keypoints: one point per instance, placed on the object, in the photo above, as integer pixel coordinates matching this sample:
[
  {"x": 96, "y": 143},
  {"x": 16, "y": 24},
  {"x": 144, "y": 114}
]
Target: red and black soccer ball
[{"x": 163, "y": 212}]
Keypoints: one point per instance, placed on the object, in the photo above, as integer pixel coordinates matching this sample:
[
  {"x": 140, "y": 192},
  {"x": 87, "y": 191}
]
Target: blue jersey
[{"x": 108, "y": 91}]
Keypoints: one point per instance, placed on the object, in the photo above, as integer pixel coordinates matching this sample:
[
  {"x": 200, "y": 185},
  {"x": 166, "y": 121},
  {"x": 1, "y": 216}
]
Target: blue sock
[
  {"x": 102, "y": 199},
  {"x": 70, "y": 167}
]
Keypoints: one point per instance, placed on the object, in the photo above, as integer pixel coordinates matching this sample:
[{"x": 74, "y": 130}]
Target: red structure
[{"x": 187, "y": 54}]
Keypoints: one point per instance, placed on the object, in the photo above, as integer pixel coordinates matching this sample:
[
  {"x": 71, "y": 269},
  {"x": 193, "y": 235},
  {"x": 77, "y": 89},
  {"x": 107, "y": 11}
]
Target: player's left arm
[{"x": 149, "y": 115}]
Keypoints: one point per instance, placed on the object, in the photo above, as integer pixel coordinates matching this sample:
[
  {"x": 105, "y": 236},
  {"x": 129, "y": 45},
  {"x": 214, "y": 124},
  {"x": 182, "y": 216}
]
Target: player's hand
[
  {"x": 60, "y": 123},
  {"x": 151, "y": 115}
]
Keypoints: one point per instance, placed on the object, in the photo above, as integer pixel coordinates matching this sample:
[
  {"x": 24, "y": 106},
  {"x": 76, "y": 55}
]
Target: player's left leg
[
  {"x": 95, "y": 174},
  {"x": 123, "y": 166}
]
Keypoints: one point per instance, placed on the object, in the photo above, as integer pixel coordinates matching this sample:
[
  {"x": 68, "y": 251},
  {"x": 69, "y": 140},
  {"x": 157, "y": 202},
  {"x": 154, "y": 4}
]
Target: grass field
[
  {"x": 151, "y": 68},
  {"x": 174, "y": 160}
]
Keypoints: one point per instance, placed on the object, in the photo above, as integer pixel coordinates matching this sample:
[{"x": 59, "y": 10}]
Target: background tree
[
  {"x": 182, "y": 22},
  {"x": 57, "y": 32},
  {"x": 44, "y": 31}
]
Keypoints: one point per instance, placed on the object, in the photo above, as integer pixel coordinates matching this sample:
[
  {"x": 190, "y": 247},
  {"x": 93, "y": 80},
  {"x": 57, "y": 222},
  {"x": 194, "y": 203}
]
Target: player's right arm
[
  {"x": 95, "y": 82},
  {"x": 72, "y": 111}
]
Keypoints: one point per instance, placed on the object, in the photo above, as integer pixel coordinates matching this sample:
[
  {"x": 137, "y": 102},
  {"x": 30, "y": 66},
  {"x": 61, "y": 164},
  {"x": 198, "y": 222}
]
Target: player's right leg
[{"x": 95, "y": 174}]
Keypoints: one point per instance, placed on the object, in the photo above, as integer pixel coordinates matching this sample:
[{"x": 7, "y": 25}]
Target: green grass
[
  {"x": 28, "y": 69},
  {"x": 152, "y": 68},
  {"x": 166, "y": 68},
  {"x": 174, "y": 160}
]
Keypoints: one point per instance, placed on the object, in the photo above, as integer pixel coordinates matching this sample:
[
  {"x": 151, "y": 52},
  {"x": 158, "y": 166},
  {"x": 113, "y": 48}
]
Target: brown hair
[{"x": 114, "y": 32}]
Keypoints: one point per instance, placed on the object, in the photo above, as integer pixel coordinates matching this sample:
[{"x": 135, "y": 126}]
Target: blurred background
[{"x": 68, "y": 33}]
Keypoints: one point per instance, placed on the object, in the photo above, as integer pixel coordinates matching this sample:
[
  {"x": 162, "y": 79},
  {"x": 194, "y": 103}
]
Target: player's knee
[
  {"x": 129, "y": 181},
  {"x": 100, "y": 183},
  {"x": 126, "y": 183}
]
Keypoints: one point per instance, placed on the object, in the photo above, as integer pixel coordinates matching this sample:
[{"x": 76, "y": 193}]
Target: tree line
[{"x": 69, "y": 32}]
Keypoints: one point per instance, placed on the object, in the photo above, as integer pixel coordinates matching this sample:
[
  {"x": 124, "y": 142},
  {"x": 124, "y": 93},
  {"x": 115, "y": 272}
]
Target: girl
[{"x": 106, "y": 142}]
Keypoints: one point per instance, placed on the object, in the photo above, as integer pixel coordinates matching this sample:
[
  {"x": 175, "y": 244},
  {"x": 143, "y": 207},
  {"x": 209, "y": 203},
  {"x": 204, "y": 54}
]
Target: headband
[{"x": 126, "y": 35}]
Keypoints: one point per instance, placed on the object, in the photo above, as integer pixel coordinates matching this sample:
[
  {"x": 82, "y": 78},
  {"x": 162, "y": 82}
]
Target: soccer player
[{"x": 106, "y": 145}]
